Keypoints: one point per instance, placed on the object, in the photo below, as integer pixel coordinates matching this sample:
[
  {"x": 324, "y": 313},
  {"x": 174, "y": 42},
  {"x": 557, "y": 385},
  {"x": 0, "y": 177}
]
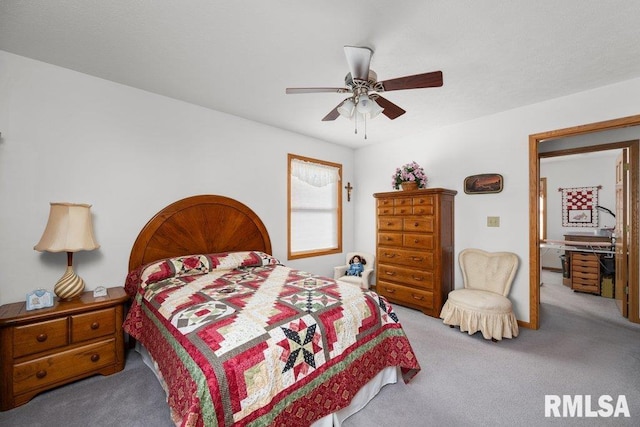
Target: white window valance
[{"x": 314, "y": 174}]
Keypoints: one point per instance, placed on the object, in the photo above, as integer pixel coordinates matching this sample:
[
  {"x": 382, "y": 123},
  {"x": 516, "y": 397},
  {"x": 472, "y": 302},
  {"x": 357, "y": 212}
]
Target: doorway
[{"x": 535, "y": 142}]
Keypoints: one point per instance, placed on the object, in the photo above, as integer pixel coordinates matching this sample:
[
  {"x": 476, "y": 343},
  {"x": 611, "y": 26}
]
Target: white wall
[
  {"x": 493, "y": 144},
  {"x": 70, "y": 137},
  {"x": 577, "y": 171}
]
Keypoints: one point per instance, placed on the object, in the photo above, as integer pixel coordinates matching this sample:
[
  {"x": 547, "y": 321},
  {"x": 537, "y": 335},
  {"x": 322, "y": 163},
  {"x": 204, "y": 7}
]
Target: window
[{"x": 314, "y": 207}]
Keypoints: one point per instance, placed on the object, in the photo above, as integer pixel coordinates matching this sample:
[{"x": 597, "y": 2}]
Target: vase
[{"x": 409, "y": 185}]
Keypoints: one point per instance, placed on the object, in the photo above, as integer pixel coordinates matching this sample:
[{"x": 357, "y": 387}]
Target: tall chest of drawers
[
  {"x": 415, "y": 247},
  {"x": 45, "y": 348}
]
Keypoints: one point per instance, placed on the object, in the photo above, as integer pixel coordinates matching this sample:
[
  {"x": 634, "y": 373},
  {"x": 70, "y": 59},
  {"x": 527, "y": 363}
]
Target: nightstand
[{"x": 45, "y": 348}]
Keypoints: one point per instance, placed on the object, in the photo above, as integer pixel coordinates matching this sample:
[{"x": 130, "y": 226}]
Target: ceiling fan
[{"x": 364, "y": 89}]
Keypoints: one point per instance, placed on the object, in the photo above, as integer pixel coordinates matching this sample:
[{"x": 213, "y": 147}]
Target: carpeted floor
[{"x": 583, "y": 347}]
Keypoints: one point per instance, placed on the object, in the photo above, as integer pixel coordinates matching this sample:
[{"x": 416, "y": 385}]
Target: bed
[{"x": 238, "y": 338}]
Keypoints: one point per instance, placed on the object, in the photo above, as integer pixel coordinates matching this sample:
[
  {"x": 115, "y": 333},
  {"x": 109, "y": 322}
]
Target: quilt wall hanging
[{"x": 579, "y": 206}]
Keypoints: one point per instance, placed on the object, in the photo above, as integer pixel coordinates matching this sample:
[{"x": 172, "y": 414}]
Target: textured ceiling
[{"x": 239, "y": 56}]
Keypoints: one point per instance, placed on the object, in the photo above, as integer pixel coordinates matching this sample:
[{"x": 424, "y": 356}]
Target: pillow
[{"x": 192, "y": 265}]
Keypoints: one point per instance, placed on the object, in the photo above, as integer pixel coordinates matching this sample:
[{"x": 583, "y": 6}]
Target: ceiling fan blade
[
  {"x": 333, "y": 114},
  {"x": 433, "y": 79},
  {"x": 391, "y": 110},
  {"x": 359, "y": 59},
  {"x": 295, "y": 90}
]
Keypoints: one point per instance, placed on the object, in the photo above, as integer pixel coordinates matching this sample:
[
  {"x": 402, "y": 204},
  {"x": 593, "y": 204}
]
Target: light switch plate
[{"x": 493, "y": 221}]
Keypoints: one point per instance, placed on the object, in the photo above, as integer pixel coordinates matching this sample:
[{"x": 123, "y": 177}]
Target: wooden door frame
[{"x": 534, "y": 224}]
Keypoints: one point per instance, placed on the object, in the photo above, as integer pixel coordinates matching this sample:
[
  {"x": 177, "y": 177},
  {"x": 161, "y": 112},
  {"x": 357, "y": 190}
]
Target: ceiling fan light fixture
[
  {"x": 376, "y": 109},
  {"x": 365, "y": 104},
  {"x": 346, "y": 108}
]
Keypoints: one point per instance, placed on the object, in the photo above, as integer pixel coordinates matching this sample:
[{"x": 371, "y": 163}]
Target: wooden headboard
[{"x": 199, "y": 225}]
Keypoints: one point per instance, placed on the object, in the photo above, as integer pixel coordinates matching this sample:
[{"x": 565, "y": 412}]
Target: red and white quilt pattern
[
  {"x": 252, "y": 342},
  {"x": 579, "y": 207}
]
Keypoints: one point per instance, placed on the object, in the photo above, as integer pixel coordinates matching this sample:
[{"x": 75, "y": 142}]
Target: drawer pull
[
  {"x": 95, "y": 357},
  {"x": 416, "y": 240},
  {"x": 418, "y": 297},
  {"x": 417, "y": 258},
  {"x": 388, "y": 255},
  {"x": 390, "y": 273},
  {"x": 95, "y": 325},
  {"x": 391, "y": 291},
  {"x": 42, "y": 337},
  {"x": 387, "y": 238},
  {"x": 41, "y": 374},
  {"x": 417, "y": 278},
  {"x": 415, "y": 224}
]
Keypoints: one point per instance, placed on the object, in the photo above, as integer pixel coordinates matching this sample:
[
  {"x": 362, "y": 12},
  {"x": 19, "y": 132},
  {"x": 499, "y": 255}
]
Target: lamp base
[{"x": 69, "y": 286}]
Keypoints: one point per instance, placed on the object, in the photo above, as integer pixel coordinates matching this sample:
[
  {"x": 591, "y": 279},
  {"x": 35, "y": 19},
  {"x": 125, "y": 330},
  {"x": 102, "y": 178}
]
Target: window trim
[{"x": 322, "y": 251}]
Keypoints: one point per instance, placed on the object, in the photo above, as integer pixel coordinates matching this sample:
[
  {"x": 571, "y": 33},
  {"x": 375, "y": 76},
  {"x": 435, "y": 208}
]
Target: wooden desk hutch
[{"x": 415, "y": 247}]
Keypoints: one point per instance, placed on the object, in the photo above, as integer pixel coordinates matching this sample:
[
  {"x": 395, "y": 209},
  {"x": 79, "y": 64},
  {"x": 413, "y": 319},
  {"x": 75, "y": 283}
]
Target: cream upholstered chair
[
  {"x": 483, "y": 304},
  {"x": 368, "y": 261}
]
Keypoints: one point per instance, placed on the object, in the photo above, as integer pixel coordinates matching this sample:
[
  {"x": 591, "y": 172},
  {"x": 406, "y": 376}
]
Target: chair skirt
[{"x": 476, "y": 310}]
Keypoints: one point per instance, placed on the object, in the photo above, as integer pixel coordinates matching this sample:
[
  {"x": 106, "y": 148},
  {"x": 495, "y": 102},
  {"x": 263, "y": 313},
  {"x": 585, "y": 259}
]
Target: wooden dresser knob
[
  {"x": 418, "y": 278},
  {"x": 388, "y": 255},
  {"x": 415, "y": 224},
  {"x": 42, "y": 337},
  {"x": 416, "y": 258},
  {"x": 95, "y": 325},
  {"x": 390, "y": 273},
  {"x": 41, "y": 374},
  {"x": 418, "y": 297},
  {"x": 95, "y": 357},
  {"x": 416, "y": 240},
  {"x": 390, "y": 290}
]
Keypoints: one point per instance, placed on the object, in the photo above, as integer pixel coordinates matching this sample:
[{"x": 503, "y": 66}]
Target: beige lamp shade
[{"x": 69, "y": 229}]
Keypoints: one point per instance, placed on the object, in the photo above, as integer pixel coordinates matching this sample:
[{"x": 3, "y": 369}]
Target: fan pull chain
[
  {"x": 356, "y": 123},
  {"x": 365, "y": 127}
]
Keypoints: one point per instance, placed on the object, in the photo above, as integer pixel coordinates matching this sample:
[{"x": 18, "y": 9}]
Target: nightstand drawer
[
  {"x": 51, "y": 369},
  {"x": 93, "y": 325},
  {"x": 39, "y": 337}
]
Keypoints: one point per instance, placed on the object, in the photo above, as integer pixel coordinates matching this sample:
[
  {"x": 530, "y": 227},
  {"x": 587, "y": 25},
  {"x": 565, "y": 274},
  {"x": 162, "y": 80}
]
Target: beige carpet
[{"x": 583, "y": 347}]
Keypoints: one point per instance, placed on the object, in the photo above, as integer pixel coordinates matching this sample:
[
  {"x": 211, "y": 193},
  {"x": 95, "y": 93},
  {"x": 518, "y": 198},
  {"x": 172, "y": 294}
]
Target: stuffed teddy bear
[{"x": 356, "y": 266}]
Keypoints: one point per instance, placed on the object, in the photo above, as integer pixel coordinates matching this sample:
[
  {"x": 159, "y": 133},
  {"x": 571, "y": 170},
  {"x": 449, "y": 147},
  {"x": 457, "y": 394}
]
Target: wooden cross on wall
[{"x": 348, "y": 187}]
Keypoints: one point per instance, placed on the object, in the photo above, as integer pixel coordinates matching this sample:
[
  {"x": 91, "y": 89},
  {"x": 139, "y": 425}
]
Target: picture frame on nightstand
[{"x": 39, "y": 298}]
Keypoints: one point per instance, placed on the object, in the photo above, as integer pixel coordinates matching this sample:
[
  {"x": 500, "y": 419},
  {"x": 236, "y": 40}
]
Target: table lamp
[{"x": 69, "y": 229}]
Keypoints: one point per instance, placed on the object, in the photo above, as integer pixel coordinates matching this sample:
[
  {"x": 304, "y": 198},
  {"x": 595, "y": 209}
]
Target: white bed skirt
[{"x": 369, "y": 391}]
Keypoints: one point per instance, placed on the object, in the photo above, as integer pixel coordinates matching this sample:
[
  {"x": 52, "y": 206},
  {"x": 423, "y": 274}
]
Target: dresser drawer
[
  {"x": 422, "y": 260},
  {"x": 403, "y": 210},
  {"x": 585, "y": 260},
  {"x": 408, "y": 276},
  {"x": 389, "y": 223},
  {"x": 585, "y": 275},
  {"x": 423, "y": 205},
  {"x": 418, "y": 241},
  {"x": 585, "y": 286},
  {"x": 423, "y": 224},
  {"x": 51, "y": 369},
  {"x": 405, "y": 295},
  {"x": 39, "y": 337},
  {"x": 96, "y": 324},
  {"x": 390, "y": 239}
]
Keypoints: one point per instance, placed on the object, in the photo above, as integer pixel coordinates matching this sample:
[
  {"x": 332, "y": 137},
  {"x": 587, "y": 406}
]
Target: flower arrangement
[{"x": 408, "y": 173}]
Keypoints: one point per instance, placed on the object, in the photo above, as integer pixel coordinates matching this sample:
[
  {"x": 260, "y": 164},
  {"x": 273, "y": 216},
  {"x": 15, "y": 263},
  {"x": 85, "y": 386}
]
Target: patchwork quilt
[{"x": 240, "y": 339}]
